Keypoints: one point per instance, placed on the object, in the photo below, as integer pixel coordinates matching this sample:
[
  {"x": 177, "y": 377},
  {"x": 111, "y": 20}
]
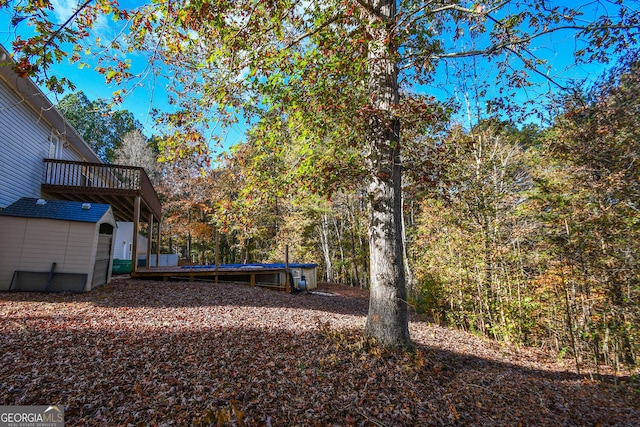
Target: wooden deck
[
  {"x": 117, "y": 185},
  {"x": 268, "y": 277}
]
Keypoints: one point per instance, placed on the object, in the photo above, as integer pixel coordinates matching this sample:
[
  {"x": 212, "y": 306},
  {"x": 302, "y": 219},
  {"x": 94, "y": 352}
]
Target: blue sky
[
  {"x": 150, "y": 93},
  {"x": 556, "y": 48}
]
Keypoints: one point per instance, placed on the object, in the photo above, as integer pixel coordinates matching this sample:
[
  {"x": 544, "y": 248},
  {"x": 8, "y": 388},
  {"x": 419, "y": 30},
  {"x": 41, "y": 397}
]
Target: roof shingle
[{"x": 65, "y": 210}]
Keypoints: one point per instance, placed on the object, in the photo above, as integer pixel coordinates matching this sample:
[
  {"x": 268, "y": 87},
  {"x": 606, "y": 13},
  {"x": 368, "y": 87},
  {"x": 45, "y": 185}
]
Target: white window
[{"x": 54, "y": 147}]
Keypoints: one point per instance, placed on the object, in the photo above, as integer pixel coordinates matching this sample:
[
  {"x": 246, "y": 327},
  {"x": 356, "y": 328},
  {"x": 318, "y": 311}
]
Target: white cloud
[{"x": 63, "y": 9}]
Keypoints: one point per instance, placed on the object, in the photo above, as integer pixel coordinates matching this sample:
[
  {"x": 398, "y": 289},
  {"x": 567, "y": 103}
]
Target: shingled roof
[{"x": 28, "y": 207}]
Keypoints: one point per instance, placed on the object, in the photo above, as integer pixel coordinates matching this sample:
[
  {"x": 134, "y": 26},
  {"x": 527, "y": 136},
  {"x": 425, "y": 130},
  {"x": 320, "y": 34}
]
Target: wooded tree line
[
  {"x": 330, "y": 90},
  {"x": 528, "y": 235}
]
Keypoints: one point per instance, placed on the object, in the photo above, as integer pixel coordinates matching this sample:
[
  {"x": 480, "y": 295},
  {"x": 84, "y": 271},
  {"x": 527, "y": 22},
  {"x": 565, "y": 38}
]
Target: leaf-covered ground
[{"x": 151, "y": 353}]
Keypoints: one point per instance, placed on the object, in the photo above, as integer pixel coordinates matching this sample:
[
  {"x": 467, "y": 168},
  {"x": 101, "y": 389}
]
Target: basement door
[{"x": 103, "y": 256}]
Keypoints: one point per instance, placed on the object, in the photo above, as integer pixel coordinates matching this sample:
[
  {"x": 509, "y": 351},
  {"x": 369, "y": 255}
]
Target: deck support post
[
  {"x": 134, "y": 242},
  {"x": 158, "y": 244},
  {"x": 149, "y": 239},
  {"x": 287, "y": 284},
  {"x": 217, "y": 251}
]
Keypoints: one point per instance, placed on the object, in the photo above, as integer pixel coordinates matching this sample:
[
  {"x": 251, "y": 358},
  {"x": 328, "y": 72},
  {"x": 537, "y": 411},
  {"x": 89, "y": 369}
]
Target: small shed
[
  {"x": 55, "y": 245},
  {"x": 306, "y": 272}
]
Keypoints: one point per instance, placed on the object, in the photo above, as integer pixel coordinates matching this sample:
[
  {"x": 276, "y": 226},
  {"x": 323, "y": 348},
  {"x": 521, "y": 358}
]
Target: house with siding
[{"x": 43, "y": 157}]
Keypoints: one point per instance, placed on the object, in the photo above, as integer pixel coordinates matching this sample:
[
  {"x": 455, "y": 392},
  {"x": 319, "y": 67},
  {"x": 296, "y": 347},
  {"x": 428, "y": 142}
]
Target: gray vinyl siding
[
  {"x": 24, "y": 143},
  {"x": 69, "y": 154}
]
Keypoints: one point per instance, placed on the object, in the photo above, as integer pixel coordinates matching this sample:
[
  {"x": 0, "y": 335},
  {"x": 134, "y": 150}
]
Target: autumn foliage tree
[
  {"x": 592, "y": 214},
  {"x": 352, "y": 58},
  {"x": 531, "y": 234},
  {"x": 469, "y": 272}
]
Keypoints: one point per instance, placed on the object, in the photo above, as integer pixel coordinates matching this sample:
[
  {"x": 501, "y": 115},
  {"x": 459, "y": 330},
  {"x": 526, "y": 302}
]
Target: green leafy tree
[
  {"x": 352, "y": 57},
  {"x": 100, "y": 126},
  {"x": 280, "y": 198}
]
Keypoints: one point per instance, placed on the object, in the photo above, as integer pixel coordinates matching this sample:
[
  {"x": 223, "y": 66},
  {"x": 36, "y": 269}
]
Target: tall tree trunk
[
  {"x": 387, "y": 320},
  {"x": 325, "y": 246},
  {"x": 341, "y": 273},
  {"x": 354, "y": 262},
  {"x": 188, "y": 251},
  {"x": 409, "y": 281}
]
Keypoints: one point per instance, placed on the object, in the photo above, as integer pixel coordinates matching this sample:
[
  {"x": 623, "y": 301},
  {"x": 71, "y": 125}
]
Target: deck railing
[{"x": 100, "y": 178}]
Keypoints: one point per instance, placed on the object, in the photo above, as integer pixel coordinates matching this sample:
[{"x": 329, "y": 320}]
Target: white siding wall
[
  {"x": 123, "y": 241},
  {"x": 24, "y": 143}
]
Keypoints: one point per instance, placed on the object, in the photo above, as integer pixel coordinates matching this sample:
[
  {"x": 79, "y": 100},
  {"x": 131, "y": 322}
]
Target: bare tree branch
[
  {"x": 533, "y": 68},
  {"x": 505, "y": 45},
  {"x": 67, "y": 22},
  {"x": 454, "y": 7}
]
